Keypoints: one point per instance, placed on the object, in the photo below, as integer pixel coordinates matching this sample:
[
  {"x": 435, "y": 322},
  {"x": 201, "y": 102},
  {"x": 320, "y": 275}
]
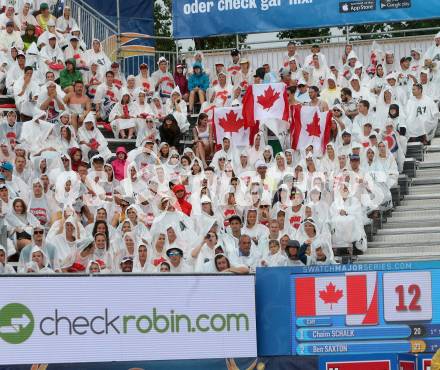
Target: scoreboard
[{"x": 367, "y": 309}]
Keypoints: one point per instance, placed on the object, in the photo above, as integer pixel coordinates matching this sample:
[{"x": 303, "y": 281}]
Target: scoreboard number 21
[{"x": 407, "y": 296}]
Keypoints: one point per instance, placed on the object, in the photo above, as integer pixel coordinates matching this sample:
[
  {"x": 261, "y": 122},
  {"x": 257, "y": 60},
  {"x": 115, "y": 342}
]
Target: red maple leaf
[
  {"x": 268, "y": 99},
  {"x": 330, "y": 295},
  {"x": 314, "y": 128},
  {"x": 231, "y": 123}
]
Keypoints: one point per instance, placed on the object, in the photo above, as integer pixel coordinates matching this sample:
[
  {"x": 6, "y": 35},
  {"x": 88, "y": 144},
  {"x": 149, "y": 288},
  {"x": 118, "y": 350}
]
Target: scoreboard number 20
[{"x": 407, "y": 296}]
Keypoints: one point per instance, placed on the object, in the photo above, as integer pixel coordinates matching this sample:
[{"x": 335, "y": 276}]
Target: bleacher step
[
  {"x": 424, "y": 173},
  {"x": 409, "y": 230},
  {"x": 405, "y": 243},
  {"x": 424, "y": 189},
  {"x": 401, "y": 257},
  {"x": 397, "y": 223},
  {"x": 418, "y": 207},
  {"x": 430, "y": 164},
  {"x": 426, "y": 180},
  {"x": 433, "y": 149},
  {"x": 415, "y": 214},
  {"x": 399, "y": 250},
  {"x": 428, "y": 196}
]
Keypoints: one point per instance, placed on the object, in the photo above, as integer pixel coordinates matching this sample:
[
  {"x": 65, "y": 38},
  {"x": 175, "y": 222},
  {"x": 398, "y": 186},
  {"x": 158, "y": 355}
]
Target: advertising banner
[
  {"x": 200, "y": 18},
  {"x": 131, "y": 318},
  {"x": 262, "y": 363},
  {"x": 360, "y": 309}
]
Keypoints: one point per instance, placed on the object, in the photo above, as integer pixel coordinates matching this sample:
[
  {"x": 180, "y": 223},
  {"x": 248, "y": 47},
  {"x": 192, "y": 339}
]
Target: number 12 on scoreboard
[{"x": 407, "y": 296}]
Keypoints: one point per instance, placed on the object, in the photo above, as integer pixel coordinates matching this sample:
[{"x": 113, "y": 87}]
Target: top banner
[{"x": 200, "y": 18}]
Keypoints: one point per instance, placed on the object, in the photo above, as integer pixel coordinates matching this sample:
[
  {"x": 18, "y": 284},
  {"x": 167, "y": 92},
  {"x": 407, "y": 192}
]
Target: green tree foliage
[
  {"x": 319, "y": 33},
  {"x": 163, "y": 25},
  {"x": 219, "y": 42}
]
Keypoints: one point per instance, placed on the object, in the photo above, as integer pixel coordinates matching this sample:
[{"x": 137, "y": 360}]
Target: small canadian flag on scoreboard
[{"x": 353, "y": 295}]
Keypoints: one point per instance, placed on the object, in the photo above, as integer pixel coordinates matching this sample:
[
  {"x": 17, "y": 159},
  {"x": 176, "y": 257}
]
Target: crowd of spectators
[{"x": 68, "y": 204}]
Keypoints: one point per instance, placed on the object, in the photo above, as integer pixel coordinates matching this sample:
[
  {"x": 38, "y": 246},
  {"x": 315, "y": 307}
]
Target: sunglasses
[
  {"x": 174, "y": 254},
  {"x": 39, "y": 232}
]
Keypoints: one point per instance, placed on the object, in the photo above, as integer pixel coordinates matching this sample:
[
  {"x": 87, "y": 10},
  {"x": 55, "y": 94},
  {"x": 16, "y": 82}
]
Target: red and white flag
[
  {"x": 229, "y": 122},
  {"x": 265, "y": 101},
  {"x": 310, "y": 126},
  {"x": 353, "y": 295}
]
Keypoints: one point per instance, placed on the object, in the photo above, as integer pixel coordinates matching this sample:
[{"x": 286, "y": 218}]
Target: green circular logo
[{"x": 16, "y": 323}]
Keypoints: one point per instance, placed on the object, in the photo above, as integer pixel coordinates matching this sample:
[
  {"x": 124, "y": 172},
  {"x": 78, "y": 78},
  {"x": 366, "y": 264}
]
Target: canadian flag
[
  {"x": 265, "y": 101},
  {"x": 310, "y": 126},
  {"x": 229, "y": 122},
  {"x": 353, "y": 295}
]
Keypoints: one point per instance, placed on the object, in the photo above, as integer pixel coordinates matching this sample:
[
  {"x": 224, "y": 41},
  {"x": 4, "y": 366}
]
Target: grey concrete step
[
  {"x": 424, "y": 189},
  {"x": 420, "y": 238},
  {"x": 401, "y": 257},
  {"x": 415, "y": 214},
  {"x": 420, "y": 202},
  {"x": 398, "y": 223},
  {"x": 414, "y": 206},
  {"x": 415, "y": 250},
  {"x": 431, "y": 172},
  {"x": 433, "y": 148},
  {"x": 409, "y": 231},
  {"x": 388, "y": 241},
  {"x": 430, "y": 163},
  {"x": 422, "y": 180},
  {"x": 427, "y": 196},
  {"x": 432, "y": 158}
]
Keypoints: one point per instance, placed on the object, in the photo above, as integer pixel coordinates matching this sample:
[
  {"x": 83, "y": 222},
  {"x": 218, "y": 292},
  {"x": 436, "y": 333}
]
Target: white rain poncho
[
  {"x": 49, "y": 250},
  {"x": 123, "y": 116},
  {"x": 178, "y": 109},
  {"x": 34, "y": 133},
  {"x": 66, "y": 242},
  {"x": 347, "y": 228},
  {"x": 141, "y": 263},
  {"x": 422, "y": 117},
  {"x": 92, "y": 139},
  {"x": 38, "y": 262},
  {"x": 326, "y": 256},
  {"x": 5, "y": 268},
  {"x": 99, "y": 57}
]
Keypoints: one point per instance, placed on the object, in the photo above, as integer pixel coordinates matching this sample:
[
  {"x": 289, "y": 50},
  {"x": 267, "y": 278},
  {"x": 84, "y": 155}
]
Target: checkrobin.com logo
[{"x": 16, "y": 323}]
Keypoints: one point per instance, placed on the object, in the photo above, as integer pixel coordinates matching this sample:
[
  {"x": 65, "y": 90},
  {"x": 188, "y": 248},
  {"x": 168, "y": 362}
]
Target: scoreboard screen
[{"x": 363, "y": 310}]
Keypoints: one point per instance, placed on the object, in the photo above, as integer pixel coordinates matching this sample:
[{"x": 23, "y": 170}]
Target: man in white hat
[{"x": 163, "y": 80}]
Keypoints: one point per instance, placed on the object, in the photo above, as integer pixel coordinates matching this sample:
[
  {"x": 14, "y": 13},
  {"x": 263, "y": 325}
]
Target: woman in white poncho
[
  {"x": 97, "y": 55},
  {"x": 141, "y": 260},
  {"x": 176, "y": 106},
  {"x": 143, "y": 80},
  {"x": 320, "y": 254},
  {"x": 123, "y": 117},
  {"x": 256, "y": 150},
  {"x": 66, "y": 241},
  {"x": 252, "y": 228},
  {"x": 65, "y": 23},
  {"x": 91, "y": 139},
  {"x": 19, "y": 223},
  {"x": 347, "y": 220}
]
